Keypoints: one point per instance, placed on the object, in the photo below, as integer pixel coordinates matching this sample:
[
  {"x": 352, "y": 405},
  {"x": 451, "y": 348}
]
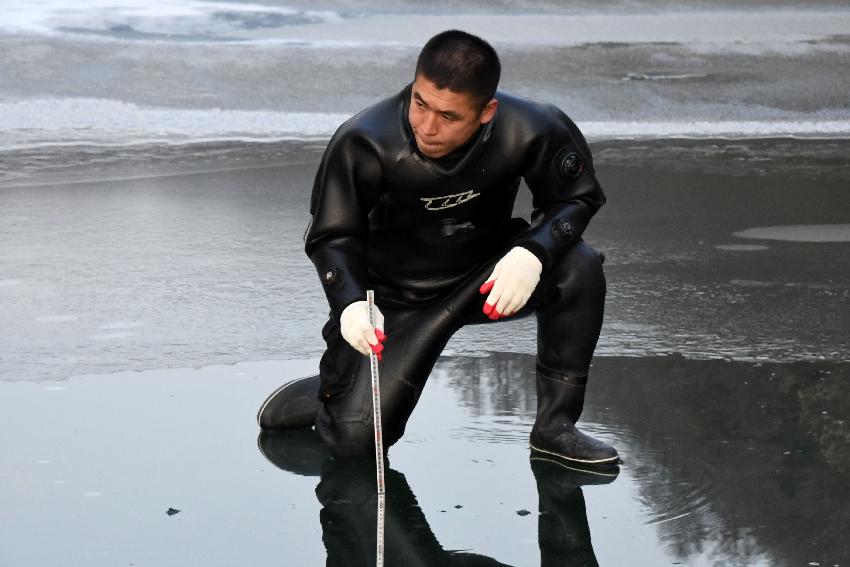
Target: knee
[{"x": 580, "y": 266}]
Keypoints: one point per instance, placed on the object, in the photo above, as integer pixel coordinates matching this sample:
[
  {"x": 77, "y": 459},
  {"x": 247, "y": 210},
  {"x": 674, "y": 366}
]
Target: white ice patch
[
  {"x": 191, "y": 18},
  {"x": 36, "y": 122},
  {"x": 799, "y": 233},
  {"x": 112, "y": 336},
  {"x": 195, "y": 20},
  {"x": 123, "y": 325},
  {"x": 56, "y": 318},
  {"x": 10, "y": 283},
  {"x": 466, "y": 353},
  {"x": 711, "y": 30},
  {"x": 663, "y": 76},
  {"x": 703, "y": 129}
]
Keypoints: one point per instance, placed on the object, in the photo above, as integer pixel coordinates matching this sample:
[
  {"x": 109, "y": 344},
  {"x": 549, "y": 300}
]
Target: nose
[{"x": 429, "y": 124}]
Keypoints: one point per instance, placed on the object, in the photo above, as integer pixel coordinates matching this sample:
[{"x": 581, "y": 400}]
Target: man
[{"x": 413, "y": 198}]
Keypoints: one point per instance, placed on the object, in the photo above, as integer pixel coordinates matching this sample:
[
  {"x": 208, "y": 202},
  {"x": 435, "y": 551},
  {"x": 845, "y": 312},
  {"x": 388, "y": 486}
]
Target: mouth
[{"x": 428, "y": 147}]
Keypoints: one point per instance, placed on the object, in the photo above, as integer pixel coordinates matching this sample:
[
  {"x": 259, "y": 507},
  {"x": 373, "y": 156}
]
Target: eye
[{"x": 448, "y": 117}]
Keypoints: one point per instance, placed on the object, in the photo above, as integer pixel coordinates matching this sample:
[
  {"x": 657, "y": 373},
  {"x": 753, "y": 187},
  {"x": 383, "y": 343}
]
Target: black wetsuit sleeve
[
  {"x": 565, "y": 193},
  {"x": 345, "y": 190}
]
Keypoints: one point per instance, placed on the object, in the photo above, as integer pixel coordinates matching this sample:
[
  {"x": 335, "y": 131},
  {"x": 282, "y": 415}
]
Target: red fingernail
[
  {"x": 488, "y": 308},
  {"x": 377, "y": 348},
  {"x": 381, "y": 336},
  {"x": 486, "y": 286},
  {"x": 380, "y": 358}
]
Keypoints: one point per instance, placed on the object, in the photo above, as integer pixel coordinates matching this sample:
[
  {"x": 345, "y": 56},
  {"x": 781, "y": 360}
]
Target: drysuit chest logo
[{"x": 448, "y": 201}]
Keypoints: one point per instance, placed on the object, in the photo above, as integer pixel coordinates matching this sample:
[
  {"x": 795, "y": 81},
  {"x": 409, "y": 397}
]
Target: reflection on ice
[
  {"x": 725, "y": 464},
  {"x": 348, "y": 496},
  {"x": 734, "y": 462}
]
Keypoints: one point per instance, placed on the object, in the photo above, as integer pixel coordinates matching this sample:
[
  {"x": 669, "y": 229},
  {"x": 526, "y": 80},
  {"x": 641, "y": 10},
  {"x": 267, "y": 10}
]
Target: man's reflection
[{"x": 347, "y": 493}]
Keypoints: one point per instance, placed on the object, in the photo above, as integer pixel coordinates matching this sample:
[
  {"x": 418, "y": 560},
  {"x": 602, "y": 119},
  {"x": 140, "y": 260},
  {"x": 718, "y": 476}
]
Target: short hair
[{"x": 461, "y": 62}]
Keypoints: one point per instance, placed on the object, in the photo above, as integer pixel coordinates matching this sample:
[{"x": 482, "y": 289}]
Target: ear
[{"x": 489, "y": 111}]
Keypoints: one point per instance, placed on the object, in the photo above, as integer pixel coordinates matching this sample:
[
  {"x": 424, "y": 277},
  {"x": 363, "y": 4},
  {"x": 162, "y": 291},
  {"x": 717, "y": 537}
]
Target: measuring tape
[{"x": 379, "y": 439}]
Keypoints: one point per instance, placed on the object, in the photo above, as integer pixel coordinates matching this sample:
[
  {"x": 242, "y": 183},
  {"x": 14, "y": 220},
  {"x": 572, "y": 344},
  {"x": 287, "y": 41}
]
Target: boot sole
[
  {"x": 605, "y": 472},
  {"x": 608, "y": 461},
  {"x": 274, "y": 394}
]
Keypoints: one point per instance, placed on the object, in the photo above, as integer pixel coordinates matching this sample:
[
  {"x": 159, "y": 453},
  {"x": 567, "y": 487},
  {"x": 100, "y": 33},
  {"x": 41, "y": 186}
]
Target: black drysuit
[{"x": 425, "y": 234}]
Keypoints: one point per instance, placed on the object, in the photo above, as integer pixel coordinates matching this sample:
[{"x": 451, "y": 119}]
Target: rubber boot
[
  {"x": 560, "y": 399},
  {"x": 292, "y": 406}
]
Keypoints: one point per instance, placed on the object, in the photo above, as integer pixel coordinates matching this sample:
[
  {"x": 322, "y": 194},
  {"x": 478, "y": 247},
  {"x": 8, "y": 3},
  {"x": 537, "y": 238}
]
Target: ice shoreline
[{"x": 594, "y": 131}]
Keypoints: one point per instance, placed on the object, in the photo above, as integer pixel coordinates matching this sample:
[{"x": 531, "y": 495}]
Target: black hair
[{"x": 461, "y": 62}]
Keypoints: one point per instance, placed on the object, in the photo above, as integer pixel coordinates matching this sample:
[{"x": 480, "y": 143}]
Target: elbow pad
[{"x": 555, "y": 229}]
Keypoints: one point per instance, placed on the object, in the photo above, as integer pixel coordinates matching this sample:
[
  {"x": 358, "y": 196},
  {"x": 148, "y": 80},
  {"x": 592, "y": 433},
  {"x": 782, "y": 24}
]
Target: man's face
[{"x": 443, "y": 120}]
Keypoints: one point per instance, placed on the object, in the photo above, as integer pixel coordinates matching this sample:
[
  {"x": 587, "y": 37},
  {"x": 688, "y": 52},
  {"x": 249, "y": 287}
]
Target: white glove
[
  {"x": 511, "y": 283},
  {"x": 356, "y": 330}
]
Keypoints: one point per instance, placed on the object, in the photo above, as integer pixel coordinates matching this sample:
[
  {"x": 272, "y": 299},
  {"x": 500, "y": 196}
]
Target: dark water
[{"x": 726, "y": 463}]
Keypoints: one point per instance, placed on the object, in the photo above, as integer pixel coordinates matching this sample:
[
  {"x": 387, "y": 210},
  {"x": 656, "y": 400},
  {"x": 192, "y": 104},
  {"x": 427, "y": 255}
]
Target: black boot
[
  {"x": 560, "y": 399},
  {"x": 292, "y": 406}
]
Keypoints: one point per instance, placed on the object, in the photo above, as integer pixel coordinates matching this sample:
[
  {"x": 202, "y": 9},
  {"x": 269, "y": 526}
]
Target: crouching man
[{"x": 413, "y": 198}]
